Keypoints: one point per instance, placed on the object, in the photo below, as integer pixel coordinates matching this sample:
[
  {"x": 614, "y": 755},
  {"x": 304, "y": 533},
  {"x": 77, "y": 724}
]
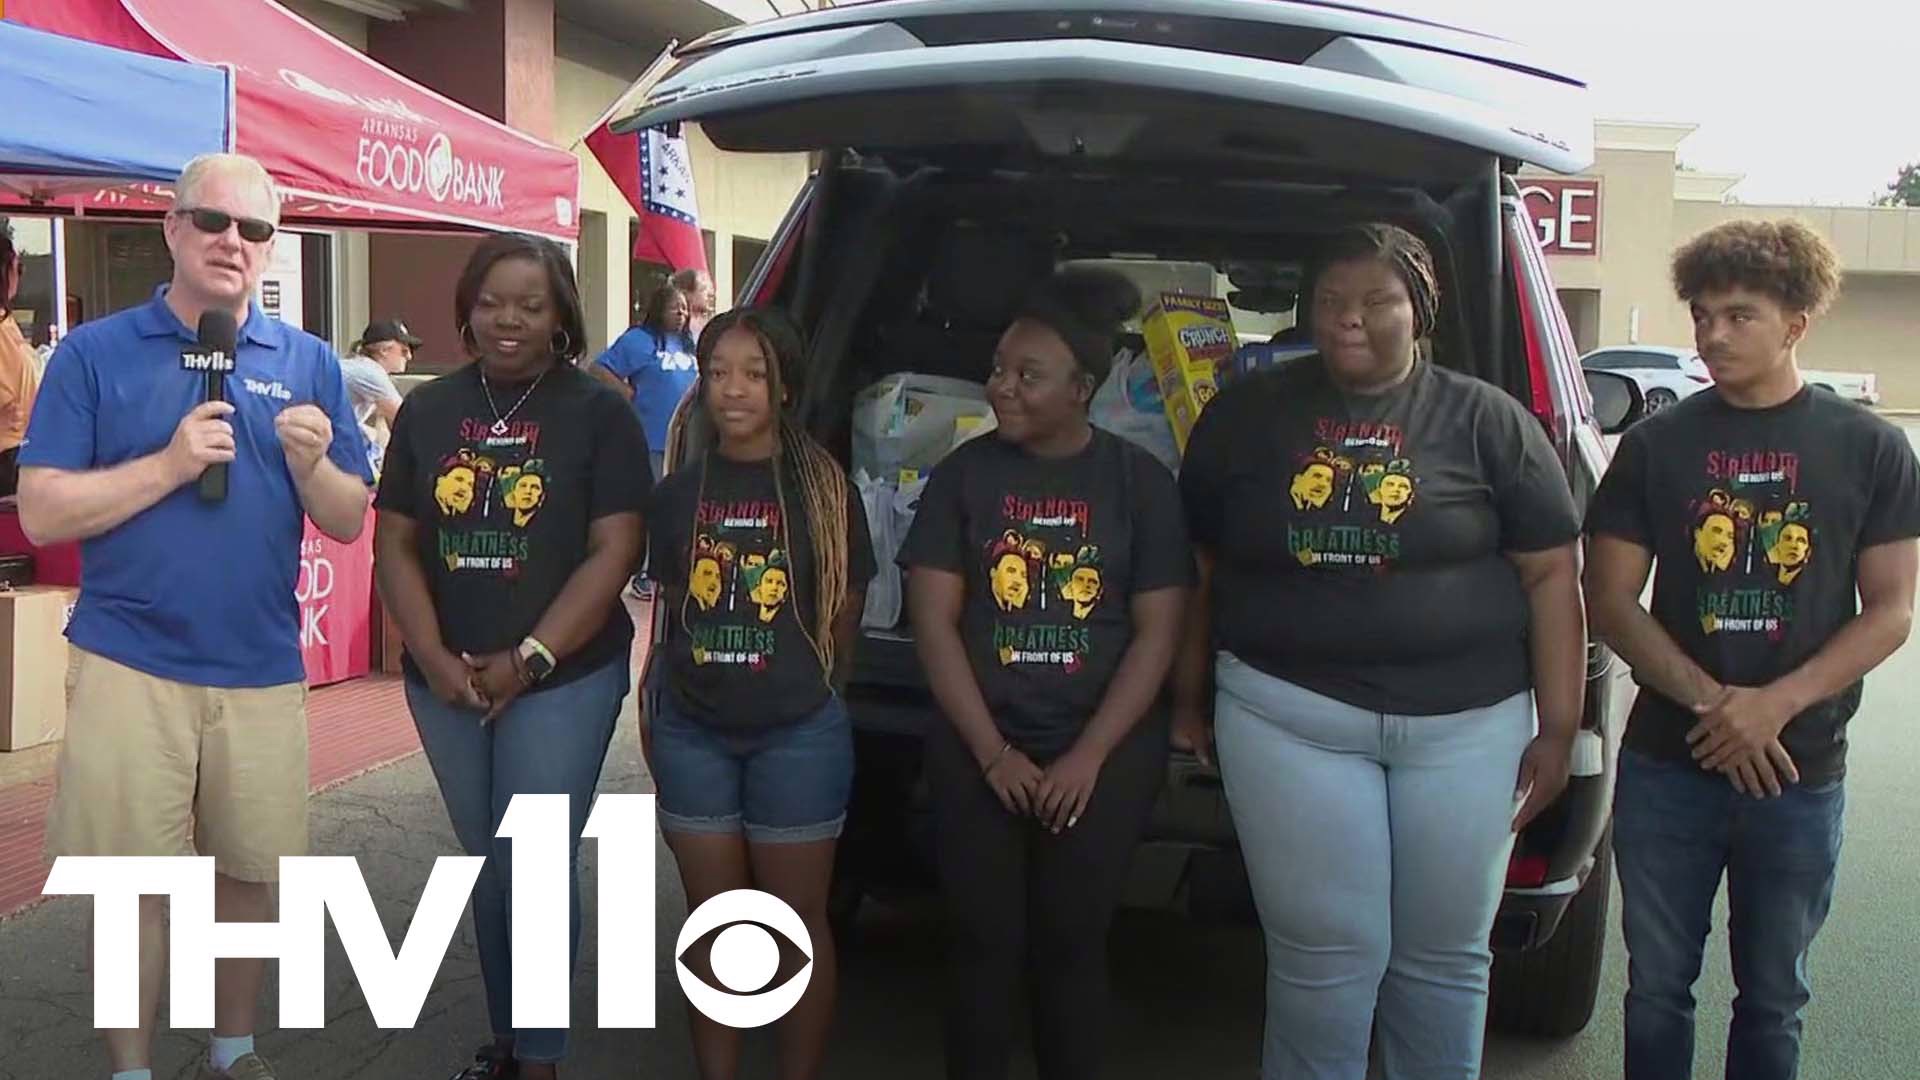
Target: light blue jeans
[
  {"x": 551, "y": 741},
  {"x": 1377, "y": 849}
]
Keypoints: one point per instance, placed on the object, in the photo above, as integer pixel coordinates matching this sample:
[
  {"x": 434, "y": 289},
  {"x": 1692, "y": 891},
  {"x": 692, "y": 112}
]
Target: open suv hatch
[{"x": 964, "y": 149}]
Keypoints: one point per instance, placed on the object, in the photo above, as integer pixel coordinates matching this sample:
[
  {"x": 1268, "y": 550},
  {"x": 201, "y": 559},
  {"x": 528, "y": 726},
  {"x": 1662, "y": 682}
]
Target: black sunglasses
[{"x": 252, "y": 230}]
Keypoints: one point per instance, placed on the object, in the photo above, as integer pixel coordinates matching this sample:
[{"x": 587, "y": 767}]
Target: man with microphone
[{"x": 182, "y": 442}]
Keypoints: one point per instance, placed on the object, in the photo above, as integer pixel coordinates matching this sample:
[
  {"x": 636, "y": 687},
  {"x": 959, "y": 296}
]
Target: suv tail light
[
  {"x": 1701, "y": 379},
  {"x": 1527, "y": 872}
]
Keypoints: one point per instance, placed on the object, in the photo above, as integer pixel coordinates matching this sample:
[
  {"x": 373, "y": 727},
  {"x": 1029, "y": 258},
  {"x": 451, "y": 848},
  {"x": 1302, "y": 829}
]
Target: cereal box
[{"x": 1190, "y": 340}]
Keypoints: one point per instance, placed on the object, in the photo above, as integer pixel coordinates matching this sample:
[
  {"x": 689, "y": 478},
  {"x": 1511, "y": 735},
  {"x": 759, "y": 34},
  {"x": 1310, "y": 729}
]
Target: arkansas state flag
[{"x": 653, "y": 169}]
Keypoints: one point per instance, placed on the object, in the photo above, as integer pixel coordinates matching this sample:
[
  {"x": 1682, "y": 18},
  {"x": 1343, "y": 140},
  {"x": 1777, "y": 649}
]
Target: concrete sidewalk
[{"x": 394, "y": 822}]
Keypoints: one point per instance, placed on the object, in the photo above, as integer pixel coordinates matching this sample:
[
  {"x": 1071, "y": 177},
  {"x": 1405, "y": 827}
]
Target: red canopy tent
[{"x": 351, "y": 143}]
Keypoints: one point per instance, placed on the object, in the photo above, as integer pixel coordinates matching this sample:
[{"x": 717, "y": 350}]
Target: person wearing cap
[{"x": 383, "y": 351}]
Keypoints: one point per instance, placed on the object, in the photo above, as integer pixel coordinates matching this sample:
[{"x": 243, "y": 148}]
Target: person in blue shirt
[
  {"x": 186, "y": 721},
  {"x": 652, "y": 363}
]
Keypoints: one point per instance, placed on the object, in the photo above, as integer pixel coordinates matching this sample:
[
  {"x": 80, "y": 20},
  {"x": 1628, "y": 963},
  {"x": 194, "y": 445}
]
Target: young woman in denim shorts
[{"x": 762, "y": 553}]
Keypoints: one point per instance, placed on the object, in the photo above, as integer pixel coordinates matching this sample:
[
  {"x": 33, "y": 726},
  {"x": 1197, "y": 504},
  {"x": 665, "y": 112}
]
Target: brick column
[{"x": 495, "y": 58}]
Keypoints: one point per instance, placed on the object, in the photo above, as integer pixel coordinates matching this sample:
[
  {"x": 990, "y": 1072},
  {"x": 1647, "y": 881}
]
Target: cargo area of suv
[{"x": 966, "y": 149}]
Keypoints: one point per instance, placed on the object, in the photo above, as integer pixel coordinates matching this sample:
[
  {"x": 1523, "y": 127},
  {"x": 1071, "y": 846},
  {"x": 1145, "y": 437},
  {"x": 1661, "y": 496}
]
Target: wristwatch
[{"x": 537, "y": 658}]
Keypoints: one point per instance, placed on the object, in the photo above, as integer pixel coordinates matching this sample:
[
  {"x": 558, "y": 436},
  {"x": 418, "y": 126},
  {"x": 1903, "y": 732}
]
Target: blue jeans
[
  {"x": 551, "y": 741},
  {"x": 786, "y": 784},
  {"x": 1676, "y": 829},
  {"x": 1377, "y": 849}
]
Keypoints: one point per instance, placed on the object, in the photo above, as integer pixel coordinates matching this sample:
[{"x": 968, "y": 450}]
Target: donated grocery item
[
  {"x": 907, "y": 420},
  {"x": 972, "y": 427},
  {"x": 1257, "y": 356},
  {"x": 1190, "y": 340},
  {"x": 890, "y": 502},
  {"x": 1128, "y": 404}
]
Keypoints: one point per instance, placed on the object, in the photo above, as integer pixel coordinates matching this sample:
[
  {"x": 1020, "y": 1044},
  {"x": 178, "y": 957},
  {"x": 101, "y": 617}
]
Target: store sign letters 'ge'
[{"x": 744, "y": 956}]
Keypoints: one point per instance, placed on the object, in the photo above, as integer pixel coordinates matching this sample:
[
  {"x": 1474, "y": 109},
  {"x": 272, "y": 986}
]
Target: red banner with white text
[{"x": 335, "y": 592}]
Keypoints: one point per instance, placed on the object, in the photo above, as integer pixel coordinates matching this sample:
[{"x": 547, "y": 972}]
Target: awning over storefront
[
  {"x": 350, "y": 141},
  {"x": 80, "y": 113}
]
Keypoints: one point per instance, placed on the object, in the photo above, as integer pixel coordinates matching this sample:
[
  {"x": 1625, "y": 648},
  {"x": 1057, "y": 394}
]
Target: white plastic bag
[
  {"x": 906, "y": 421},
  {"x": 884, "y": 592},
  {"x": 1128, "y": 404}
]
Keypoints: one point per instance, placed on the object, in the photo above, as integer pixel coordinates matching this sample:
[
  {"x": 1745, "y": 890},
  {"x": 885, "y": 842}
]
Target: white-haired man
[{"x": 187, "y": 709}]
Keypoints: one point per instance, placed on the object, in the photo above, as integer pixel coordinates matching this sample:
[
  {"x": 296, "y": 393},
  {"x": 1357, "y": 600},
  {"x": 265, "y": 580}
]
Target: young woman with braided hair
[
  {"x": 1395, "y": 656},
  {"x": 762, "y": 550}
]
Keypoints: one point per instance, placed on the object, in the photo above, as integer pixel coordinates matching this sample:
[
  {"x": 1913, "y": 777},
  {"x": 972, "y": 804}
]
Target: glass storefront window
[
  {"x": 113, "y": 265},
  {"x": 33, "y": 306}
]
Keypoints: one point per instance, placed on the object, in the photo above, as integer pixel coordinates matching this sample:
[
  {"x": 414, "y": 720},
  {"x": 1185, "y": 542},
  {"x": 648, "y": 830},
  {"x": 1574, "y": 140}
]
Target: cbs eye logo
[{"x": 744, "y": 958}]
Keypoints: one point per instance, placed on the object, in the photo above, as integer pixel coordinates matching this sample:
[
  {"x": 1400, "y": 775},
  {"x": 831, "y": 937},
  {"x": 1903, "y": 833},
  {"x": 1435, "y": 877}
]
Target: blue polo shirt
[
  {"x": 659, "y": 368},
  {"x": 194, "y": 592}
]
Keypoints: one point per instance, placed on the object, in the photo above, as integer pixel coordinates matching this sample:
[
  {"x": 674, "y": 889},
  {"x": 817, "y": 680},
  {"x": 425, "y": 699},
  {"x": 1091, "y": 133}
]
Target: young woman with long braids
[
  {"x": 1049, "y": 570},
  {"x": 762, "y": 552}
]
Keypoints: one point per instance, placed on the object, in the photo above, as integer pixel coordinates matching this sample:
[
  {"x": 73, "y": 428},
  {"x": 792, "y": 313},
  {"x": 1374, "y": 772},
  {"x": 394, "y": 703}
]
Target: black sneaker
[{"x": 490, "y": 1063}]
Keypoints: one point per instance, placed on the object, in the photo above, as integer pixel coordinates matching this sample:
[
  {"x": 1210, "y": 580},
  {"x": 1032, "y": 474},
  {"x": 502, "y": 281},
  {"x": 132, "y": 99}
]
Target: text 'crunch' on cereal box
[{"x": 1190, "y": 341}]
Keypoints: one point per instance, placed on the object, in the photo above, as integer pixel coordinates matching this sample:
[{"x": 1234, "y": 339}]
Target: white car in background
[
  {"x": 1857, "y": 386},
  {"x": 1665, "y": 374}
]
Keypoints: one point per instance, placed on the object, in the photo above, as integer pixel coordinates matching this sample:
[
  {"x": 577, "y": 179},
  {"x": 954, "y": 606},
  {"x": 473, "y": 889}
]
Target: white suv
[
  {"x": 965, "y": 148},
  {"x": 1665, "y": 374}
]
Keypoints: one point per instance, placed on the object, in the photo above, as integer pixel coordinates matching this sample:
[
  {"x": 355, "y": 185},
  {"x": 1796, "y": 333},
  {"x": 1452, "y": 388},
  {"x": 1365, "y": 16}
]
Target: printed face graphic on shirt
[
  {"x": 1713, "y": 542},
  {"x": 1008, "y": 580},
  {"x": 1353, "y": 488},
  {"x": 739, "y": 580},
  {"x": 1312, "y": 486},
  {"x": 704, "y": 582},
  {"x": 1046, "y": 581},
  {"x": 766, "y": 578},
  {"x": 453, "y": 491},
  {"x": 1787, "y": 539},
  {"x": 1075, "y": 576},
  {"x": 524, "y": 490},
  {"x": 1753, "y": 539},
  {"x": 1790, "y": 552},
  {"x": 485, "y": 504},
  {"x": 1389, "y": 487}
]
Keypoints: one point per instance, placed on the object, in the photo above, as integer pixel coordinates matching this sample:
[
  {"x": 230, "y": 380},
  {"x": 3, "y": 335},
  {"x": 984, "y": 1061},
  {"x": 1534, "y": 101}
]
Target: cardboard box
[
  {"x": 1190, "y": 341},
  {"x": 33, "y": 665}
]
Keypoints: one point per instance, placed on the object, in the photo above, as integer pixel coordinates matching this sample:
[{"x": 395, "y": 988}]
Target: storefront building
[
  {"x": 1611, "y": 233},
  {"x": 545, "y": 68}
]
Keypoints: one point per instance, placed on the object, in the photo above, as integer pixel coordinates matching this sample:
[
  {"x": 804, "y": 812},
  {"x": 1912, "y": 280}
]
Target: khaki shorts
[{"x": 155, "y": 767}]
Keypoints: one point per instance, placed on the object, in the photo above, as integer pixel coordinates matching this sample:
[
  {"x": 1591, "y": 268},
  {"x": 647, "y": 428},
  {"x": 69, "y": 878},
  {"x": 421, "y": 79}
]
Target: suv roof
[{"x": 1220, "y": 87}]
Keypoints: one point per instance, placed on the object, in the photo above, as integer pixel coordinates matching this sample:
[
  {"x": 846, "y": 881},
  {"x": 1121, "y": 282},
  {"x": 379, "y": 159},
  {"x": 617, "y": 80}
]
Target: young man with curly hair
[{"x": 1749, "y": 668}]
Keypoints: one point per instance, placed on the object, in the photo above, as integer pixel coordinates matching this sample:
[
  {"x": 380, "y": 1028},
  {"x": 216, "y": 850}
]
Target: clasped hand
[
  {"x": 1056, "y": 796},
  {"x": 1739, "y": 735}
]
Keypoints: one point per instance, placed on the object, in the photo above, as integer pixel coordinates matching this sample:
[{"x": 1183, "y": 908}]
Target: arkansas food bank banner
[{"x": 335, "y": 592}]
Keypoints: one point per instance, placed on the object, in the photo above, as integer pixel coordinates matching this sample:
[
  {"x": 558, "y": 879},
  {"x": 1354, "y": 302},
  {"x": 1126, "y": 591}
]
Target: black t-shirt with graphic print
[
  {"x": 504, "y": 508},
  {"x": 1052, "y": 551},
  {"x": 1755, "y": 518},
  {"x": 1360, "y": 540},
  {"x": 739, "y": 581}
]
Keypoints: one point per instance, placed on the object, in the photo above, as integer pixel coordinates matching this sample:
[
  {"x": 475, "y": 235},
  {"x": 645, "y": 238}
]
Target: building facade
[{"x": 1611, "y": 233}]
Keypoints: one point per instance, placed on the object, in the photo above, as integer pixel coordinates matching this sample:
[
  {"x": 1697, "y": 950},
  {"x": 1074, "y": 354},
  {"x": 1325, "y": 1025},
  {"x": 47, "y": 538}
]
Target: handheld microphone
[{"x": 213, "y": 356}]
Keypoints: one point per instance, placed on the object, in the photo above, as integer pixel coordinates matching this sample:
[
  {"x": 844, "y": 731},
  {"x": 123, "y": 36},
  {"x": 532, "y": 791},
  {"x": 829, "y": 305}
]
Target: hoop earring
[
  {"x": 563, "y": 350},
  {"x": 466, "y": 339}
]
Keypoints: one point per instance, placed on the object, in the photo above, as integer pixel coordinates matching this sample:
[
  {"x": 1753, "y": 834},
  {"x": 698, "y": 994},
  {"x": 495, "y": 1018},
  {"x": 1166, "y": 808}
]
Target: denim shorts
[{"x": 787, "y": 784}]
